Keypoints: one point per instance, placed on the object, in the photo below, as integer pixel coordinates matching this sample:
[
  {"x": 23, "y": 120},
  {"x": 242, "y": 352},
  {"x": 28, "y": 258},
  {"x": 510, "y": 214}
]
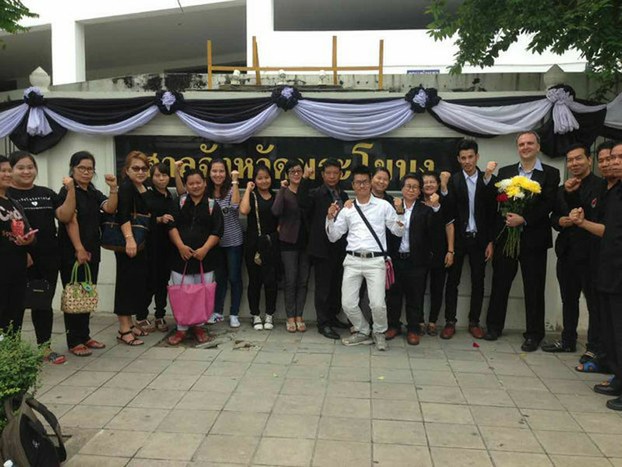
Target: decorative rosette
[
  {"x": 421, "y": 98},
  {"x": 286, "y": 97},
  {"x": 169, "y": 102},
  {"x": 33, "y": 97},
  {"x": 562, "y": 96}
]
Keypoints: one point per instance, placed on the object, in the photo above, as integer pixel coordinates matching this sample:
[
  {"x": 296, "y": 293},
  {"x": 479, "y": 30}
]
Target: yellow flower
[{"x": 512, "y": 191}]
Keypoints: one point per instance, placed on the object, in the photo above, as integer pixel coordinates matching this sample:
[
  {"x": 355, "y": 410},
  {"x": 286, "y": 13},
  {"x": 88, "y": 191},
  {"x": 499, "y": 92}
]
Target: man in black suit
[
  {"x": 471, "y": 195},
  {"x": 411, "y": 255},
  {"x": 582, "y": 189},
  {"x": 535, "y": 240},
  {"x": 327, "y": 257}
]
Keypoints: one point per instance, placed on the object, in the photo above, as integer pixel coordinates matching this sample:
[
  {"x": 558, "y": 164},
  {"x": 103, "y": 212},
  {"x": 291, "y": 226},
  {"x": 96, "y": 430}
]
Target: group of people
[{"x": 374, "y": 251}]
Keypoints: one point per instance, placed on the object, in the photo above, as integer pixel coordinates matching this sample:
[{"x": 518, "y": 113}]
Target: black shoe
[
  {"x": 610, "y": 388},
  {"x": 559, "y": 346},
  {"x": 615, "y": 404},
  {"x": 339, "y": 324},
  {"x": 329, "y": 332},
  {"x": 530, "y": 345},
  {"x": 491, "y": 335}
]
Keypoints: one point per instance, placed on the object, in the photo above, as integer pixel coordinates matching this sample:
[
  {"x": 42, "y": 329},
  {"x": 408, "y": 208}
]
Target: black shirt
[
  {"x": 40, "y": 204},
  {"x": 88, "y": 210},
  {"x": 610, "y": 259},
  {"x": 268, "y": 221},
  {"x": 159, "y": 204},
  {"x": 13, "y": 256},
  {"x": 131, "y": 201},
  {"x": 195, "y": 223}
]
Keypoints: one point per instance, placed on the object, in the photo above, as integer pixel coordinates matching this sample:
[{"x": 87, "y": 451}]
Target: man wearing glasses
[{"x": 365, "y": 224}]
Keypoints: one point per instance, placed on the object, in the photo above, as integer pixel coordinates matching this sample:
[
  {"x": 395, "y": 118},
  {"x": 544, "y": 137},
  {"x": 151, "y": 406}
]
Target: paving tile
[
  {"x": 526, "y": 399},
  {"x": 292, "y": 426},
  {"x": 212, "y": 384},
  {"x": 477, "y": 380},
  {"x": 312, "y": 359},
  {"x": 122, "y": 443},
  {"x": 398, "y": 432},
  {"x": 240, "y": 423},
  {"x": 349, "y": 373},
  {"x": 203, "y": 400},
  {"x": 434, "y": 378},
  {"x": 127, "y": 380},
  {"x": 156, "y": 463},
  {"x": 147, "y": 365},
  {"x": 390, "y": 360},
  {"x": 393, "y": 454},
  {"x": 565, "y": 386},
  {"x": 135, "y": 419},
  {"x": 489, "y": 397},
  {"x": 174, "y": 446},
  {"x": 418, "y": 364},
  {"x": 511, "y": 368},
  {"x": 222, "y": 449},
  {"x": 350, "y": 360},
  {"x": 88, "y": 378},
  {"x": 346, "y": 407},
  {"x": 157, "y": 398},
  {"x": 186, "y": 367},
  {"x": 308, "y": 372},
  {"x": 522, "y": 383},
  {"x": 565, "y": 443},
  {"x": 440, "y": 394},
  {"x": 204, "y": 355},
  {"x": 394, "y": 391},
  {"x": 236, "y": 369},
  {"x": 173, "y": 382},
  {"x": 261, "y": 370},
  {"x": 457, "y": 457},
  {"x": 165, "y": 353},
  {"x": 387, "y": 409},
  {"x": 576, "y": 403},
  {"x": 341, "y": 454},
  {"x": 87, "y": 416},
  {"x": 550, "y": 420},
  {"x": 609, "y": 423},
  {"x": 243, "y": 402},
  {"x": 304, "y": 387},
  {"x": 509, "y": 439},
  {"x": 253, "y": 385},
  {"x": 352, "y": 389},
  {"x": 67, "y": 395},
  {"x": 282, "y": 451},
  {"x": 520, "y": 459},
  {"x": 187, "y": 421},
  {"x": 467, "y": 366},
  {"x": 344, "y": 429},
  {"x": 462, "y": 355},
  {"x": 84, "y": 460},
  {"x": 610, "y": 445},
  {"x": 453, "y": 436},
  {"x": 446, "y": 413},
  {"x": 576, "y": 461},
  {"x": 308, "y": 405}
]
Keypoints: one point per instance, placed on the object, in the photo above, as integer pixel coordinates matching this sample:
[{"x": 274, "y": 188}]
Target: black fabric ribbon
[
  {"x": 286, "y": 97},
  {"x": 432, "y": 99},
  {"x": 178, "y": 104},
  {"x": 34, "y": 99}
]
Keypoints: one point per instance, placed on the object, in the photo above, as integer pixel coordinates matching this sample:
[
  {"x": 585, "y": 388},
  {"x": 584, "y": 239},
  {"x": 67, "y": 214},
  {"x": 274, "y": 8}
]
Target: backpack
[{"x": 24, "y": 440}]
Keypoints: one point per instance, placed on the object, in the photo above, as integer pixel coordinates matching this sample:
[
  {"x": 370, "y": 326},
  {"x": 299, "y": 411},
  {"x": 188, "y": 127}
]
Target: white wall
[{"x": 54, "y": 165}]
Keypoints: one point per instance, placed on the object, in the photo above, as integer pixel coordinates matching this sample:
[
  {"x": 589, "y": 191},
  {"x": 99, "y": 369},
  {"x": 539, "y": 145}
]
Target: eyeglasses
[
  {"x": 411, "y": 187},
  {"x": 139, "y": 168},
  {"x": 85, "y": 170},
  {"x": 361, "y": 182},
  {"x": 294, "y": 171}
]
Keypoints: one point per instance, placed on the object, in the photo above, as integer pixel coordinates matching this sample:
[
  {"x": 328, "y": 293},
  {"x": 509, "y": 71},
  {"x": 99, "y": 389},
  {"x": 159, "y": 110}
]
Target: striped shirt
[{"x": 233, "y": 235}]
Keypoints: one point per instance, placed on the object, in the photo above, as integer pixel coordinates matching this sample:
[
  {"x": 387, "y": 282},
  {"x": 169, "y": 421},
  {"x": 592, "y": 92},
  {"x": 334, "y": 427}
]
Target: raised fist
[
  {"x": 435, "y": 200},
  {"x": 235, "y": 175},
  {"x": 111, "y": 180},
  {"x": 284, "y": 183},
  {"x": 572, "y": 184},
  {"x": 250, "y": 186},
  {"x": 68, "y": 183},
  {"x": 491, "y": 166},
  {"x": 445, "y": 176},
  {"x": 333, "y": 209},
  {"x": 397, "y": 204}
]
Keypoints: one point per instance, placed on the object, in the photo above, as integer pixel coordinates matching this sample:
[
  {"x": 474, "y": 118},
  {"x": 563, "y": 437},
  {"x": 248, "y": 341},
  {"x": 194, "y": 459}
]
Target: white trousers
[
  {"x": 373, "y": 270},
  {"x": 208, "y": 277}
]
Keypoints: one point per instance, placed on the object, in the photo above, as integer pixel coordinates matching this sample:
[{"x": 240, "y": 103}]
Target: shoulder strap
[
  {"x": 52, "y": 421},
  {"x": 210, "y": 203},
  {"x": 358, "y": 209},
  {"x": 257, "y": 214}
]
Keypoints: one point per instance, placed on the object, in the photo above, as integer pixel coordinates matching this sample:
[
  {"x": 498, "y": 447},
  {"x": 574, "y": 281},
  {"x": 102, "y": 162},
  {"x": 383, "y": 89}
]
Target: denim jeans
[{"x": 229, "y": 272}]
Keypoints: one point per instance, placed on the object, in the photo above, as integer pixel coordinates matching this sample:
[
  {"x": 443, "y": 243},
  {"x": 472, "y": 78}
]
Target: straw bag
[{"x": 79, "y": 297}]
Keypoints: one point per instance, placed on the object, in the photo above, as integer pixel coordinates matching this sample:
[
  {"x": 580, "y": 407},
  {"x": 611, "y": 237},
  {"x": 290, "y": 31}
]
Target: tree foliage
[
  {"x": 485, "y": 28},
  {"x": 11, "y": 12}
]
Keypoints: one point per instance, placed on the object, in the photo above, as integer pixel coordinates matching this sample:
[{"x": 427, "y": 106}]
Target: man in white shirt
[{"x": 365, "y": 256}]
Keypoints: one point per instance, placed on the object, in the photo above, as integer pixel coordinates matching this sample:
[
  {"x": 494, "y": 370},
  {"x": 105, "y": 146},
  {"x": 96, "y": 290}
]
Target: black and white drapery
[{"x": 36, "y": 124}]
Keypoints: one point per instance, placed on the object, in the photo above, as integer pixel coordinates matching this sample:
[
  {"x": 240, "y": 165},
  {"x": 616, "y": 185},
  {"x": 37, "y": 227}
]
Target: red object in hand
[
  {"x": 502, "y": 198},
  {"x": 17, "y": 227}
]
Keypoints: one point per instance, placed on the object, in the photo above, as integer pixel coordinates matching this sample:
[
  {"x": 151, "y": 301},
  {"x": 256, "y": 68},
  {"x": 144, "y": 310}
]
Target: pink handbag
[{"x": 192, "y": 304}]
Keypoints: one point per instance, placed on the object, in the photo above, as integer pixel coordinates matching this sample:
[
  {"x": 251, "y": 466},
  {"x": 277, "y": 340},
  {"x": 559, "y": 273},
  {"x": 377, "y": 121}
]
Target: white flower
[
  {"x": 519, "y": 195},
  {"x": 503, "y": 184}
]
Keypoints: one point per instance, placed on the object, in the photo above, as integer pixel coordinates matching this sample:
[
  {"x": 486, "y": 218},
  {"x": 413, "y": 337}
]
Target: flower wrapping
[{"x": 514, "y": 195}]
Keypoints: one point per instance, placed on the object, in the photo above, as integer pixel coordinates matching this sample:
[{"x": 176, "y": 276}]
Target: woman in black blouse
[
  {"x": 131, "y": 292},
  {"x": 195, "y": 233},
  {"x": 262, "y": 254},
  {"x": 80, "y": 240},
  {"x": 42, "y": 207}
]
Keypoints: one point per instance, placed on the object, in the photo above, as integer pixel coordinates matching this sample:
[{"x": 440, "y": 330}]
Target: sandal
[
  {"x": 587, "y": 356},
  {"x": 421, "y": 330},
  {"x": 145, "y": 326},
  {"x": 301, "y": 326},
  {"x": 431, "y": 329},
  {"x": 176, "y": 338},
  {"x": 138, "y": 331},
  {"x": 81, "y": 350},
  {"x": 291, "y": 326},
  {"x": 93, "y": 344},
  {"x": 591, "y": 366},
  {"x": 131, "y": 342},
  {"x": 160, "y": 324},
  {"x": 54, "y": 358}
]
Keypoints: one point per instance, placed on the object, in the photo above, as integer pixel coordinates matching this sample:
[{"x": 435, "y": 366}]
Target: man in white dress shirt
[{"x": 365, "y": 256}]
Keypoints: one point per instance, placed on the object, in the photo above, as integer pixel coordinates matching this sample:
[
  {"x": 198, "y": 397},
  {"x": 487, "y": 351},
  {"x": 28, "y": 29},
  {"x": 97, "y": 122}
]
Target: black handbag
[
  {"x": 112, "y": 235},
  {"x": 39, "y": 295}
]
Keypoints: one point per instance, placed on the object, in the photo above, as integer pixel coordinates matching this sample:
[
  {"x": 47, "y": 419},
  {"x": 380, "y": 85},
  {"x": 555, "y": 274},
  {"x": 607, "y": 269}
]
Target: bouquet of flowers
[{"x": 514, "y": 194}]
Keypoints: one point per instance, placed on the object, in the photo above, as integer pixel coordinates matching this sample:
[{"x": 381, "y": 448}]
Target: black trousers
[
  {"x": 437, "y": 275},
  {"x": 12, "y": 295},
  {"x": 477, "y": 265},
  {"x": 409, "y": 286},
  {"x": 77, "y": 325},
  {"x": 574, "y": 277},
  {"x": 159, "y": 275},
  {"x": 328, "y": 275},
  {"x": 611, "y": 314},
  {"x": 132, "y": 285},
  {"x": 258, "y": 277},
  {"x": 44, "y": 267},
  {"x": 533, "y": 270}
]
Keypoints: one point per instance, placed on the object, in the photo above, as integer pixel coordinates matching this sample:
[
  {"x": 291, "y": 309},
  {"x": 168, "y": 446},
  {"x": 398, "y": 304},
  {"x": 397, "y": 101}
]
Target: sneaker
[
  {"x": 257, "y": 324},
  {"x": 267, "y": 324},
  {"x": 215, "y": 318},
  {"x": 234, "y": 321},
  {"x": 380, "y": 340},
  {"x": 357, "y": 339}
]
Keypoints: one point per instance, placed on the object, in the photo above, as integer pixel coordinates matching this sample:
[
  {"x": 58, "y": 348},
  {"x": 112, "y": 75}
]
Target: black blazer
[
  {"x": 537, "y": 233},
  {"x": 315, "y": 203},
  {"x": 423, "y": 224},
  {"x": 485, "y": 208}
]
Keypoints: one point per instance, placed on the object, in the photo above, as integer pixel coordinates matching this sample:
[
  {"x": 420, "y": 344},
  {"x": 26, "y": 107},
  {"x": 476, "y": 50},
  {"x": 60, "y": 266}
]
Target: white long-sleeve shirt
[{"x": 381, "y": 216}]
